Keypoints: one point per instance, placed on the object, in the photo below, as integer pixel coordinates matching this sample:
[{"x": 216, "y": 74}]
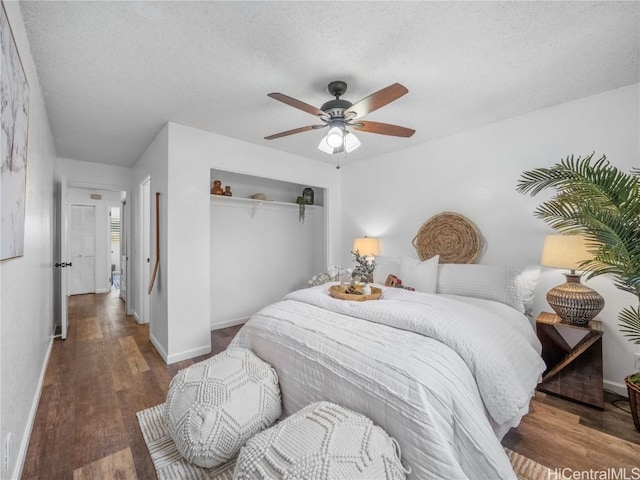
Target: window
[{"x": 115, "y": 229}]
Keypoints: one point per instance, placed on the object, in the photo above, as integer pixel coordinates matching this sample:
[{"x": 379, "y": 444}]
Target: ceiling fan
[{"x": 341, "y": 115}]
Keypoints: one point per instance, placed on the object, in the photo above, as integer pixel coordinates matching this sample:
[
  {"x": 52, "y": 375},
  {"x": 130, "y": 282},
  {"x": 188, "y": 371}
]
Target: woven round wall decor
[{"x": 451, "y": 235}]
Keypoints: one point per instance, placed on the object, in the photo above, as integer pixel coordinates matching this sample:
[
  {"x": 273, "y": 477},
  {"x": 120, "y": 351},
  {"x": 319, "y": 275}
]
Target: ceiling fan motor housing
[
  {"x": 335, "y": 108},
  {"x": 337, "y": 88}
]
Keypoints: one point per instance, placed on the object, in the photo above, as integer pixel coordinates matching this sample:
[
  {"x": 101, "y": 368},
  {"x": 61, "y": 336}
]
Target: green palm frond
[
  {"x": 595, "y": 199},
  {"x": 629, "y": 323},
  {"x": 583, "y": 179}
]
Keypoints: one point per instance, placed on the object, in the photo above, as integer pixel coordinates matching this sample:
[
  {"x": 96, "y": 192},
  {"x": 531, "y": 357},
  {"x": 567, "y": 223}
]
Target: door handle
[{"x": 64, "y": 264}]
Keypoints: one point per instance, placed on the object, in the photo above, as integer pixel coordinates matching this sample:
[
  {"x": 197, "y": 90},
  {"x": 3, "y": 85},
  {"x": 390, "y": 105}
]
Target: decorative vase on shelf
[
  {"x": 366, "y": 289},
  {"x": 308, "y": 195},
  {"x": 216, "y": 188}
]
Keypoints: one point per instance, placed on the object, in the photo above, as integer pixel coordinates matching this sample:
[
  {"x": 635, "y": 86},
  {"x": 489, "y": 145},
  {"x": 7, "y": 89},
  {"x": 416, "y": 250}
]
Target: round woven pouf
[
  {"x": 323, "y": 441},
  {"x": 451, "y": 235}
]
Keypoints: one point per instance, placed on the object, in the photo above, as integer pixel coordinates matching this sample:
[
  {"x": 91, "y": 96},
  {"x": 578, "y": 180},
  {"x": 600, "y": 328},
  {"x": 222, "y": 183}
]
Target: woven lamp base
[{"x": 574, "y": 302}]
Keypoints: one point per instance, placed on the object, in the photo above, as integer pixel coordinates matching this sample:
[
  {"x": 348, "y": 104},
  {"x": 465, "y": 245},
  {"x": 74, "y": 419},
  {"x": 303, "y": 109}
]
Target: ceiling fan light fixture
[
  {"x": 351, "y": 142},
  {"x": 326, "y": 148},
  {"x": 335, "y": 137}
]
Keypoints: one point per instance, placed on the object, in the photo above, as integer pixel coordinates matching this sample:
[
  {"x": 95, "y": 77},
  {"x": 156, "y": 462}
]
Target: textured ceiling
[{"x": 113, "y": 73}]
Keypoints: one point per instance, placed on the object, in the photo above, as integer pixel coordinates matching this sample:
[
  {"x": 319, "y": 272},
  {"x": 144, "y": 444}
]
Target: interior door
[
  {"x": 146, "y": 248},
  {"x": 82, "y": 249},
  {"x": 62, "y": 262},
  {"x": 123, "y": 251}
]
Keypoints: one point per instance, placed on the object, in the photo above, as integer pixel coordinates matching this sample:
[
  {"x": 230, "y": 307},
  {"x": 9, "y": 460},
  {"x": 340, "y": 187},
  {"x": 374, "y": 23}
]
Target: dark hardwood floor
[
  {"x": 97, "y": 379},
  {"x": 107, "y": 370}
]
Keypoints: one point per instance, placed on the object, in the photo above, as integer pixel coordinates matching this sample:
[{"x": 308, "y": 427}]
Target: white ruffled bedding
[{"x": 444, "y": 375}]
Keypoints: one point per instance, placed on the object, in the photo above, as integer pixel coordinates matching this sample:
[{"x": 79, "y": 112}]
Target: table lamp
[
  {"x": 366, "y": 247},
  {"x": 572, "y": 301}
]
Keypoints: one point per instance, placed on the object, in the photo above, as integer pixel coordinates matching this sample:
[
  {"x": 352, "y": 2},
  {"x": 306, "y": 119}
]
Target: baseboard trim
[
  {"x": 136, "y": 317},
  {"x": 103, "y": 290},
  {"x": 186, "y": 355},
  {"x": 24, "y": 445},
  {"x": 616, "y": 387},
  {"x": 158, "y": 347},
  {"x": 228, "y": 323},
  {"x": 178, "y": 357}
]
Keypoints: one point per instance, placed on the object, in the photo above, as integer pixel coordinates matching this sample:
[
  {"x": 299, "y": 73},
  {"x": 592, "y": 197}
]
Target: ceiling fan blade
[
  {"x": 377, "y": 100},
  {"x": 294, "y": 131},
  {"x": 292, "y": 102},
  {"x": 383, "y": 129}
]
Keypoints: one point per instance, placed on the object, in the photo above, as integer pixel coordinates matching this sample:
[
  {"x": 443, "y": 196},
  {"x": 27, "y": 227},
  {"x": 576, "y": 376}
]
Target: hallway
[{"x": 96, "y": 381}]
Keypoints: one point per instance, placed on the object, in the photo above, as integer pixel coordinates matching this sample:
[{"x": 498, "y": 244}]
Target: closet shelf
[{"x": 239, "y": 202}]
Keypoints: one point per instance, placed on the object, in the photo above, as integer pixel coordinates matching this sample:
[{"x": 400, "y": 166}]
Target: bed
[
  {"x": 447, "y": 376},
  {"x": 446, "y": 371}
]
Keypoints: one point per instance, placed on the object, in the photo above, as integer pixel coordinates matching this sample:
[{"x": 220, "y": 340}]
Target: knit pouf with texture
[
  {"x": 322, "y": 441},
  {"x": 215, "y": 406}
]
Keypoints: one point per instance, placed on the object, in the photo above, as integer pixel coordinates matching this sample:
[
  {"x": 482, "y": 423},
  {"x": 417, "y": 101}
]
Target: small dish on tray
[{"x": 336, "y": 291}]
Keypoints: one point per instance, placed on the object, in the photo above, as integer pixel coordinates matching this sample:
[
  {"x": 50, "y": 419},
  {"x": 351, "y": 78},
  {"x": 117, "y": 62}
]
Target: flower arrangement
[{"x": 364, "y": 268}]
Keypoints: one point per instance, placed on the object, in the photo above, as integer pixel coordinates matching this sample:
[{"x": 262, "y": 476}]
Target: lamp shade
[
  {"x": 574, "y": 302},
  {"x": 366, "y": 246},
  {"x": 351, "y": 142},
  {"x": 326, "y": 148},
  {"x": 564, "y": 251},
  {"x": 335, "y": 137}
]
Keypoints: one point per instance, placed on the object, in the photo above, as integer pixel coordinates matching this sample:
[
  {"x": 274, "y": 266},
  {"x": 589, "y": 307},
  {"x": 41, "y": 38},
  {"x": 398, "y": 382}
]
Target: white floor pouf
[
  {"x": 323, "y": 441},
  {"x": 215, "y": 406}
]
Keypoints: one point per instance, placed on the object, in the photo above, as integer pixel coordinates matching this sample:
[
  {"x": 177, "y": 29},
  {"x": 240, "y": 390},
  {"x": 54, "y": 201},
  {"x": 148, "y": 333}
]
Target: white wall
[
  {"x": 153, "y": 163},
  {"x": 259, "y": 254},
  {"x": 475, "y": 173},
  {"x": 80, "y": 174},
  {"x": 110, "y": 198},
  {"x": 26, "y": 283},
  {"x": 192, "y": 153}
]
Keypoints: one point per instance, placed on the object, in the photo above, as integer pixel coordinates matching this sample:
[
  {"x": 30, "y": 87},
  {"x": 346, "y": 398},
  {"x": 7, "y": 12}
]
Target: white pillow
[
  {"x": 215, "y": 406},
  {"x": 423, "y": 276},
  {"x": 322, "y": 441},
  {"x": 513, "y": 286},
  {"x": 385, "y": 266}
]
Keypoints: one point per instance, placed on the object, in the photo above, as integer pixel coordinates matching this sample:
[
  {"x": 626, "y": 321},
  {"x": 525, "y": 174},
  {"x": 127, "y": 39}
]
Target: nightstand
[{"x": 573, "y": 355}]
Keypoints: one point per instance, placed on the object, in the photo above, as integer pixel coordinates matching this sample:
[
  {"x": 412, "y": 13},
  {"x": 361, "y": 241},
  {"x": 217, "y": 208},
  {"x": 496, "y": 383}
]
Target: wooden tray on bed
[{"x": 336, "y": 291}]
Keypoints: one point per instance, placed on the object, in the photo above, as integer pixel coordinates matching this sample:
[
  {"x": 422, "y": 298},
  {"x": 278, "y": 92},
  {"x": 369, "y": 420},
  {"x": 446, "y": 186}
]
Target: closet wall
[{"x": 261, "y": 250}]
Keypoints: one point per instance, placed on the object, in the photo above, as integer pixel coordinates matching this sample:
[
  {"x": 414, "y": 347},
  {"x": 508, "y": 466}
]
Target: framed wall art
[{"x": 15, "y": 123}]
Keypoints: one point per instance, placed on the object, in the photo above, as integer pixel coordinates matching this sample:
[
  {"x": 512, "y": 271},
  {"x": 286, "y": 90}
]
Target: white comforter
[{"x": 438, "y": 373}]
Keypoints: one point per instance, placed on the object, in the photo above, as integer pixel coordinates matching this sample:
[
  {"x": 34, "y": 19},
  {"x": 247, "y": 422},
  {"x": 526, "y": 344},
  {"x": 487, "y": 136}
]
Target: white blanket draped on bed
[{"x": 430, "y": 369}]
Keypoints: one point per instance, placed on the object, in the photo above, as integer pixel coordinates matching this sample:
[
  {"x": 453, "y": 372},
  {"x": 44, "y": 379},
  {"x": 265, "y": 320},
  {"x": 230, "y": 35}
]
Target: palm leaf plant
[{"x": 595, "y": 199}]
